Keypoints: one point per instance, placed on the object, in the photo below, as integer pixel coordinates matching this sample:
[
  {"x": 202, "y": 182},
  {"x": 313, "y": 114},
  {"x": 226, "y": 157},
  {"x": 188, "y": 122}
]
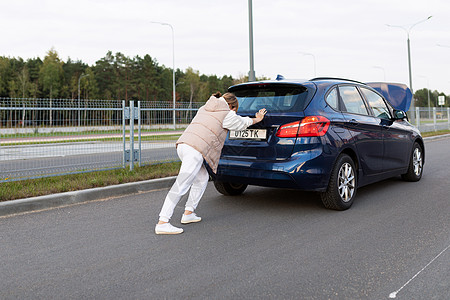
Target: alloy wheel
[
  {"x": 417, "y": 161},
  {"x": 346, "y": 182}
]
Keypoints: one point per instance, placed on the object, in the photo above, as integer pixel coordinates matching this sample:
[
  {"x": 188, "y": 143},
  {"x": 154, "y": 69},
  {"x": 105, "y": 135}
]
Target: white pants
[{"x": 192, "y": 175}]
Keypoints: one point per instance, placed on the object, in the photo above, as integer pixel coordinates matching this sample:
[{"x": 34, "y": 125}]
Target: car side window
[
  {"x": 377, "y": 104},
  {"x": 353, "y": 103},
  {"x": 332, "y": 99}
]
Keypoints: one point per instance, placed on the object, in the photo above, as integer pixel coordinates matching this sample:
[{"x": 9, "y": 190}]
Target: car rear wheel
[
  {"x": 229, "y": 188},
  {"x": 415, "y": 168},
  {"x": 341, "y": 190}
]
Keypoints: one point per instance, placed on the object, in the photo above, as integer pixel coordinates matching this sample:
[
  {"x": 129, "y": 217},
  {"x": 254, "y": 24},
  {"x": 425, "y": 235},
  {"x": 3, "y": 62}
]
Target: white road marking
[{"x": 394, "y": 294}]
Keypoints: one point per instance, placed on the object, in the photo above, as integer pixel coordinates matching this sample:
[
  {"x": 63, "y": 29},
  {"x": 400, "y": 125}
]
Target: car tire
[
  {"x": 341, "y": 190},
  {"x": 415, "y": 167},
  {"x": 229, "y": 188}
]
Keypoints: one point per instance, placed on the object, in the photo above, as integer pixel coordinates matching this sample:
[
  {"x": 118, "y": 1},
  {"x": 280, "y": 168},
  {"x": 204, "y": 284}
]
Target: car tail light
[{"x": 309, "y": 126}]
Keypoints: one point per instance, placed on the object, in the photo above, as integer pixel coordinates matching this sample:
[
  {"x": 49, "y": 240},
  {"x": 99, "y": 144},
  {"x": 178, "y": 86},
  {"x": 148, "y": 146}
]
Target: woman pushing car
[{"x": 202, "y": 140}]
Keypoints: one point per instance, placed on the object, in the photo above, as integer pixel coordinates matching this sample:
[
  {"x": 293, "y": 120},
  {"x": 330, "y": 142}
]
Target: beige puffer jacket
[{"x": 205, "y": 133}]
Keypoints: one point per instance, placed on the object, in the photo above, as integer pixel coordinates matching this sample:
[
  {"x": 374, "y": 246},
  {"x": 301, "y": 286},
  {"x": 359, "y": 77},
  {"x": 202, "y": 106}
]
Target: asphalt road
[{"x": 266, "y": 244}]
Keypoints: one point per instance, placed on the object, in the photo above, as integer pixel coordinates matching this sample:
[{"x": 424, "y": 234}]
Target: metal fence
[
  {"x": 432, "y": 118},
  {"x": 46, "y": 137}
]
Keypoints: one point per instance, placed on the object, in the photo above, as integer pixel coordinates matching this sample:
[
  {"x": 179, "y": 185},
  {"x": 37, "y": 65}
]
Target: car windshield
[{"x": 271, "y": 97}]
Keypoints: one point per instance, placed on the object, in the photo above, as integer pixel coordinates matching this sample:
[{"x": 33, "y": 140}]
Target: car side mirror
[{"x": 400, "y": 115}]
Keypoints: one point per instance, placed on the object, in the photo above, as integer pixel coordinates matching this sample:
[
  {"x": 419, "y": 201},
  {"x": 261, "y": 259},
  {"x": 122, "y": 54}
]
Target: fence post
[
  {"x": 448, "y": 117},
  {"x": 131, "y": 135},
  {"x": 434, "y": 118},
  {"x": 124, "y": 164},
  {"x": 417, "y": 117},
  {"x": 139, "y": 131}
]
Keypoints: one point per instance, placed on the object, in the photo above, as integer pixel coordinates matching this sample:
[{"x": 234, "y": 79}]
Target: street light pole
[
  {"x": 382, "y": 69},
  {"x": 314, "y": 60},
  {"x": 251, "y": 73},
  {"x": 79, "y": 79},
  {"x": 443, "y": 46},
  {"x": 408, "y": 30},
  {"x": 173, "y": 70}
]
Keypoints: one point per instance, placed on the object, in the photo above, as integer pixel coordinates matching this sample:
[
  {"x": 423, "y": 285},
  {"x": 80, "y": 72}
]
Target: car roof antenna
[{"x": 280, "y": 77}]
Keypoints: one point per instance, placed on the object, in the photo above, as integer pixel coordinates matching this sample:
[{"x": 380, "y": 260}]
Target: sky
[{"x": 297, "y": 39}]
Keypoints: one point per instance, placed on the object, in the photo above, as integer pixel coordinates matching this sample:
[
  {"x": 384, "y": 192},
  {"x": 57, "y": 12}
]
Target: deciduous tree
[{"x": 51, "y": 76}]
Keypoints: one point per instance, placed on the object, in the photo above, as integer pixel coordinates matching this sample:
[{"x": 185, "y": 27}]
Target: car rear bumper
[{"x": 307, "y": 171}]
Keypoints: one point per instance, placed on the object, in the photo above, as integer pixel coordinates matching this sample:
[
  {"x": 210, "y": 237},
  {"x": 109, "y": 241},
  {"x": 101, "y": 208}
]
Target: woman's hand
[{"x": 259, "y": 115}]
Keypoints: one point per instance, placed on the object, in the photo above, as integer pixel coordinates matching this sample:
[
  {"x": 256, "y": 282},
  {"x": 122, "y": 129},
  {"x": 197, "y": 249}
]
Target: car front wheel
[
  {"x": 341, "y": 190},
  {"x": 229, "y": 188},
  {"x": 415, "y": 167}
]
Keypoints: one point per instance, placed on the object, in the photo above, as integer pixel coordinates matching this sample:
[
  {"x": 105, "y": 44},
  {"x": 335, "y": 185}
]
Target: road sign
[{"x": 441, "y": 100}]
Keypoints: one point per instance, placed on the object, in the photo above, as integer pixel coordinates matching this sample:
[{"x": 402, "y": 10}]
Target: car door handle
[{"x": 353, "y": 122}]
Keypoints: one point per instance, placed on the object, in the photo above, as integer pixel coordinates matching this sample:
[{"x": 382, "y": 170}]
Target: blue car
[{"x": 325, "y": 134}]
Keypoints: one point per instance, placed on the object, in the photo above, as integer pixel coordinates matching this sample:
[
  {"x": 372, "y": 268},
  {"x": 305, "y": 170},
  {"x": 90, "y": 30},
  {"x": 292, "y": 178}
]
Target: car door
[
  {"x": 396, "y": 141},
  {"x": 365, "y": 130}
]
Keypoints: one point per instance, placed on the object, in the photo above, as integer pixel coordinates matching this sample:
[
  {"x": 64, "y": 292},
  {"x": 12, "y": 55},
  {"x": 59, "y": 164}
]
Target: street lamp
[
  {"x": 443, "y": 46},
  {"x": 79, "y": 79},
  {"x": 314, "y": 59},
  {"x": 382, "y": 69},
  {"x": 408, "y": 30},
  {"x": 251, "y": 73},
  {"x": 173, "y": 63}
]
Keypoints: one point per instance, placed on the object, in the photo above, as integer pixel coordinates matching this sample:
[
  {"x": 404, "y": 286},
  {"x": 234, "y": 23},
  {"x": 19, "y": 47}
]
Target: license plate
[{"x": 248, "y": 134}]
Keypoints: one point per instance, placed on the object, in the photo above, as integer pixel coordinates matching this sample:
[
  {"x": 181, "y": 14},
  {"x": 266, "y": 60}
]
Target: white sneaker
[
  {"x": 192, "y": 218},
  {"x": 167, "y": 228}
]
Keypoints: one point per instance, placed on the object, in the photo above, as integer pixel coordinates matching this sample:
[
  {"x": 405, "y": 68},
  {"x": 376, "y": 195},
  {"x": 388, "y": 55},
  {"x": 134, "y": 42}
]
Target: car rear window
[{"x": 274, "y": 98}]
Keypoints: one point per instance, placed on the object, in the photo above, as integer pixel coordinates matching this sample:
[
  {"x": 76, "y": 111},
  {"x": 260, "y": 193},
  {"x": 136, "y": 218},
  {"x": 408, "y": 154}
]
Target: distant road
[
  {"x": 61, "y": 154},
  {"x": 71, "y": 137},
  {"x": 35, "y": 160},
  {"x": 33, "y": 151}
]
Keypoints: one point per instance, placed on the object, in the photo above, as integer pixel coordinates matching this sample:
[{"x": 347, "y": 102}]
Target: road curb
[{"x": 55, "y": 200}]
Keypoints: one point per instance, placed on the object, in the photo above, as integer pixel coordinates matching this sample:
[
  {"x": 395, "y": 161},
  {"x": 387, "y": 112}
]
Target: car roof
[
  {"x": 318, "y": 81},
  {"x": 398, "y": 95}
]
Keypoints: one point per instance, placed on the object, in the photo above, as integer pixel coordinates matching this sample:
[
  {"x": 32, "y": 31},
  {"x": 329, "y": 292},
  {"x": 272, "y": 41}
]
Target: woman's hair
[{"x": 229, "y": 97}]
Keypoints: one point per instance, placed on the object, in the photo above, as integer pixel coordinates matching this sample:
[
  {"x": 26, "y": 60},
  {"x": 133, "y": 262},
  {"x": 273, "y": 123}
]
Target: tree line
[
  {"x": 118, "y": 77},
  {"x": 113, "y": 77},
  {"x": 422, "y": 95}
]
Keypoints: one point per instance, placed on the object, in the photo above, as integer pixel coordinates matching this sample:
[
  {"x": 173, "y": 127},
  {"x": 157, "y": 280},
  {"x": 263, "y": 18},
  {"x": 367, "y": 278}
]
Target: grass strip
[
  {"x": 74, "y": 182},
  {"x": 434, "y": 133}
]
